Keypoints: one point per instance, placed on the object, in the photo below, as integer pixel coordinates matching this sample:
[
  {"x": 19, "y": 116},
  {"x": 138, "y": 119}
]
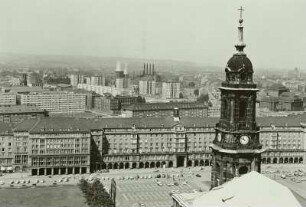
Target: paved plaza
[
  {"x": 140, "y": 186},
  {"x": 152, "y": 195}
]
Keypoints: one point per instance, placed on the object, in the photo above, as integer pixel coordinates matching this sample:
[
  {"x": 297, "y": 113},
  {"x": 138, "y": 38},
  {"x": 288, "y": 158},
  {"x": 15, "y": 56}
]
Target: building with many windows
[
  {"x": 171, "y": 90},
  {"x": 8, "y": 99},
  {"x": 6, "y": 144},
  {"x": 59, "y": 146},
  {"x": 18, "y": 113},
  {"x": 56, "y": 101},
  {"x": 186, "y": 109},
  {"x": 70, "y": 145},
  {"x": 147, "y": 86}
]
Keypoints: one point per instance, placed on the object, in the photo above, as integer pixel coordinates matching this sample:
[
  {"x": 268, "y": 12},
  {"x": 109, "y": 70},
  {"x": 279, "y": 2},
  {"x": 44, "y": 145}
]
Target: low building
[
  {"x": 285, "y": 102},
  {"x": 115, "y": 104},
  {"x": 186, "y": 109},
  {"x": 101, "y": 103},
  {"x": 276, "y": 90},
  {"x": 270, "y": 102},
  {"x": 291, "y": 102},
  {"x": 19, "y": 113}
]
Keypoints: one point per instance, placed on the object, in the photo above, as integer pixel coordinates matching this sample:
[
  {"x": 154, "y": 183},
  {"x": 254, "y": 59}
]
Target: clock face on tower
[{"x": 244, "y": 139}]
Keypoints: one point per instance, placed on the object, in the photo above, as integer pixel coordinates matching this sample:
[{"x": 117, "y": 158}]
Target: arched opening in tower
[{"x": 243, "y": 170}]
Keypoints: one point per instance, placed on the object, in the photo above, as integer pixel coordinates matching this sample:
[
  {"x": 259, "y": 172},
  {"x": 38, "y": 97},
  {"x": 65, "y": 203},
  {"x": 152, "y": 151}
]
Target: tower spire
[{"x": 240, "y": 44}]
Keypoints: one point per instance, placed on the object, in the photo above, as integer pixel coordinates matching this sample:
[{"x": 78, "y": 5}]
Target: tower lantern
[{"x": 236, "y": 149}]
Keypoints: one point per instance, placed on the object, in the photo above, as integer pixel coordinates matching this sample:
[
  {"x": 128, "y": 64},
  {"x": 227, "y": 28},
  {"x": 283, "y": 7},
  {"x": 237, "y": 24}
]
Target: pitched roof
[
  {"x": 112, "y": 123},
  {"x": 26, "y": 125},
  {"x": 49, "y": 124},
  {"x": 277, "y": 86},
  {"x": 291, "y": 120},
  {"x": 269, "y": 99},
  {"x": 19, "y": 109},
  {"x": 164, "y": 106},
  {"x": 250, "y": 190},
  {"x": 5, "y": 128},
  {"x": 199, "y": 122},
  {"x": 59, "y": 124}
]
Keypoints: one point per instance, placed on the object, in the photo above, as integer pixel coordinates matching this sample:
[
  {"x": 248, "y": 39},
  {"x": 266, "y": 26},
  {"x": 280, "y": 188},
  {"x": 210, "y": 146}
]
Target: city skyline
[{"x": 197, "y": 31}]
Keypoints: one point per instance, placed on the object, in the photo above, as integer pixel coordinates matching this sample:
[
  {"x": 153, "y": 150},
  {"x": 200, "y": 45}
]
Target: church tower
[{"x": 236, "y": 148}]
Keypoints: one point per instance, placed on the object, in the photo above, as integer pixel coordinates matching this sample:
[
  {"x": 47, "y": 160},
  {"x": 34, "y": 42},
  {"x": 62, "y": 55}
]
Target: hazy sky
[{"x": 192, "y": 30}]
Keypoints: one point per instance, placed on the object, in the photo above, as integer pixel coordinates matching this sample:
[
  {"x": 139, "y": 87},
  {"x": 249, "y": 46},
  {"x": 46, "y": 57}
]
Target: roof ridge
[{"x": 36, "y": 123}]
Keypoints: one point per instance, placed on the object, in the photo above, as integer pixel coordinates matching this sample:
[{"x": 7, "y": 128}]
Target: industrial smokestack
[
  {"x": 147, "y": 69},
  {"x": 144, "y": 69},
  {"x": 150, "y": 70},
  {"x": 125, "y": 68},
  {"x": 118, "y": 66},
  {"x": 153, "y": 70}
]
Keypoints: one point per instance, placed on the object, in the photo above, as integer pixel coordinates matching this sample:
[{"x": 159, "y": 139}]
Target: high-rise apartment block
[
  {"x": 171, "y": 90},
  {"x": 56, "y": 102},
  {"x": 122, "y": 77},
  {"x": 147, "y": 84},
  {"x": 8, "y": 99}
]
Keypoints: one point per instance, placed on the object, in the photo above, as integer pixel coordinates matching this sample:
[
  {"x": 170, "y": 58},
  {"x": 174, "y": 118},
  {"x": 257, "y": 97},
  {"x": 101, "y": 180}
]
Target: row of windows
[{"x": 60, "y": 151}]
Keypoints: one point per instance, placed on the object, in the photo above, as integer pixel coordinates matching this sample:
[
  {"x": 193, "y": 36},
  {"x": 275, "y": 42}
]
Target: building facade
[
  {"x": 56, "y": 102},
  {"x": 186, "y": 109},
  {"x": 8, "y": 99},
  {"x": 59, "y": 150},
  {"x": 147, "y": 86},
  {"x": 121, "y": 143},
  {"x": 19, "y": 113},
  {"x": 76, "y": 79},
  {"x": 171, "y": 90},
  {"x": 6, "y": 146},
  {"x": 285, "y": 102},
  {"x": 106, "y": 89}
]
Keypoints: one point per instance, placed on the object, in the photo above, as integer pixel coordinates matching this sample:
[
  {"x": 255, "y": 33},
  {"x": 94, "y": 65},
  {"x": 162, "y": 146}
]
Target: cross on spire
[
  {"x": 240, "y": 45},
  {"x": 241, "y": 10}
]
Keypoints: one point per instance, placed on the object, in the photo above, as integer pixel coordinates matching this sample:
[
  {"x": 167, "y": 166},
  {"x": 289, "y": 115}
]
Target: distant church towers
[{"x": 236, "y": 149}]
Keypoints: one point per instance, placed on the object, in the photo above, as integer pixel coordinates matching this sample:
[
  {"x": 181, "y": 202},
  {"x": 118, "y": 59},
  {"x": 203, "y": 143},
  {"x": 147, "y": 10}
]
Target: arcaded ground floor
[
  {"x": 180, "y": 162},
  {"x": 60, "y": 170},
  {"x": 282, "y": 160}
]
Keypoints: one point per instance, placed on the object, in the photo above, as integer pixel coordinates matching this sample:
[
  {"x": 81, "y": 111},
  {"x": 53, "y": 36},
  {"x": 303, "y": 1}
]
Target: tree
[
  {"x": 95, "y": 194},
  {"x": 181, "y": 95}
]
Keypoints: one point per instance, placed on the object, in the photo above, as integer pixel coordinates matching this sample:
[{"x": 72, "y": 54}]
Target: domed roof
[{"x": 239, "y": 61}]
